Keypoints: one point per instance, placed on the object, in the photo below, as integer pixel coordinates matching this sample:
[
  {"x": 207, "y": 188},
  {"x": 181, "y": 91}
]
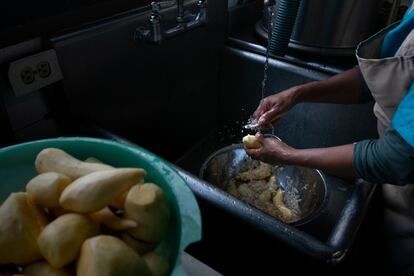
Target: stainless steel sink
[
  {"x": 235, "y": 233},
  {"x": 329, "y": 236}
]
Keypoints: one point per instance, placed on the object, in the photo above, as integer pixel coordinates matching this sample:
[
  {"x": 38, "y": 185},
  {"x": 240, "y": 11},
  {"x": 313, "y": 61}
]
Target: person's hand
[
  {"x": 272, "y": 151},
  {"x": 273, "y": 107}
]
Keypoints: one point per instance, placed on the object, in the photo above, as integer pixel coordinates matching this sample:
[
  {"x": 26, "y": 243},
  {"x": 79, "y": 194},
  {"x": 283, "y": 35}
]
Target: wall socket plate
[{"x": 34, "y": 72}]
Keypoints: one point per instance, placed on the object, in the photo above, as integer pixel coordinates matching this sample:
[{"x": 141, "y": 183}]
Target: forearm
[
  {"x": 385, "y": 160},
  {"x": 344, "y": 88},
  {"x": 334, "y": 160},
  {"x": 389, "y": 159}
]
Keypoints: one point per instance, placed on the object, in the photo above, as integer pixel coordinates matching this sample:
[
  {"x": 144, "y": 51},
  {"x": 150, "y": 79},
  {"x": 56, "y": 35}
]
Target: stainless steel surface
[
  {"x": 194, "y": 267},
  {"x": 303, "y": 186},
  {"x": 156, "y": 34},
  {"x": 326, "y": 26},
  {"x": 259, "y": 49}
]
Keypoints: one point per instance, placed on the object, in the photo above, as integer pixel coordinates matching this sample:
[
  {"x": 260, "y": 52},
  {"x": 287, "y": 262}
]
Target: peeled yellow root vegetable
[
  {"x": 265, "y": 196},
  {"x": 109, "y": 256},
  {"x": 139, "y": 246},
  {"x": 119, "y": 201},
  {"x": 62, "y": 239},
  {"x": 260, "y": 173},
  {"x": 20, "y": 224},
  {"x": 56, "y": 160},
  {"x": 43, "y": 269},
  {"x": 278, "y": 202},
  {"x": 251, "y": 142},
  {"x": 96, "y": 190},
  {"x": 47, "y": 187},
  {"x": 157, "y": 264},
  {"x": 148, "y": 206},
  {"x": 107, "y": 218},
  {"x": 93, "y": 160}
]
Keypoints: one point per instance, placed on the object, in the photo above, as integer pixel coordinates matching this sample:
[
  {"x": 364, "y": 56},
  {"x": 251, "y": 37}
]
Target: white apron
[{"x": 389, "y": 80}]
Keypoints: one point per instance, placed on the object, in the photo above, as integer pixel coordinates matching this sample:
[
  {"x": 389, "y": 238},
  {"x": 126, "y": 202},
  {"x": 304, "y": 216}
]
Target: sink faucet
[
  {"x": 156, "y": 34},
  {"x": 180, "y": 10}
]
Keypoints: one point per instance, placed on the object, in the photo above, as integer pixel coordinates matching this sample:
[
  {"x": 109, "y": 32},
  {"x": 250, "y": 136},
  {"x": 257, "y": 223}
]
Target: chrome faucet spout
[{"x": 155, "y": 33}]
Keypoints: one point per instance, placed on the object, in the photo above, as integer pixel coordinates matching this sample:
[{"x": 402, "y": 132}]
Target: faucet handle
[
  {"x": 155, "y": 7},
  {"x": 202, "y": 3}
]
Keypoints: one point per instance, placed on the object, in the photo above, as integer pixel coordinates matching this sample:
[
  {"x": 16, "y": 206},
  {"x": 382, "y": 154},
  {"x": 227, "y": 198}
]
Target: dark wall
[
  {"x": 22, "y": 20},
  {"x": 161, "y": 97}
]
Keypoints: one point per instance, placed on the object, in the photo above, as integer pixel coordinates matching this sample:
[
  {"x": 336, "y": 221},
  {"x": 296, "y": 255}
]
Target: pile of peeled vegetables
[
  {"x": 256, "y": 184},
  {"x": 83, "y": 218}
]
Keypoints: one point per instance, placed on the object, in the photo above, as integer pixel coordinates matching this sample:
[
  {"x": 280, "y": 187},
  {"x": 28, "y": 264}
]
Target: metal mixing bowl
[{"x": 308, "y": 185}]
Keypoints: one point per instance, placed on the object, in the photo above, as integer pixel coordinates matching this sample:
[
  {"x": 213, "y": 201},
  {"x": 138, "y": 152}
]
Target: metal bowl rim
[{"x": 315, "y": 213}]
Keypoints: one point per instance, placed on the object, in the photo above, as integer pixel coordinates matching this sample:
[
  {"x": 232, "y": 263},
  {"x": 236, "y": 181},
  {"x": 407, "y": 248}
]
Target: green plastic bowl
[{"x": 17, "y": 168}]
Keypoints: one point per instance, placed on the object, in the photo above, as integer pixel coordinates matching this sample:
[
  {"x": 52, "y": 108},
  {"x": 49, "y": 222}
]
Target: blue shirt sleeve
[
  {"x": 403, "y": 119},
  {"x": 397, "y": 35},
  {"x": 389, "y": 159}
]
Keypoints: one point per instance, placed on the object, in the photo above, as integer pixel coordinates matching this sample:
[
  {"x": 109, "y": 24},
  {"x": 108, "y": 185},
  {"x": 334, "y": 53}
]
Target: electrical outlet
[
  {"x": 27, "y": 75},
  {"x": 43, "y": 69},
  {"x": 34, "y": 72}
]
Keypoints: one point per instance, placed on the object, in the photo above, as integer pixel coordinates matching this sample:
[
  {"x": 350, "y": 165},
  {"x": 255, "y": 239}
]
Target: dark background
[{"x": 24, "y": 19}]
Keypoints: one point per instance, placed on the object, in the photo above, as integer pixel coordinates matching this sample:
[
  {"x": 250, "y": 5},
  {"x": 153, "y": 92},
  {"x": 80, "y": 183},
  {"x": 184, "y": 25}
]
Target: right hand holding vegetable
[
  {"x": 273, "y": 107},
  {"x": 271, "y": 151}
]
